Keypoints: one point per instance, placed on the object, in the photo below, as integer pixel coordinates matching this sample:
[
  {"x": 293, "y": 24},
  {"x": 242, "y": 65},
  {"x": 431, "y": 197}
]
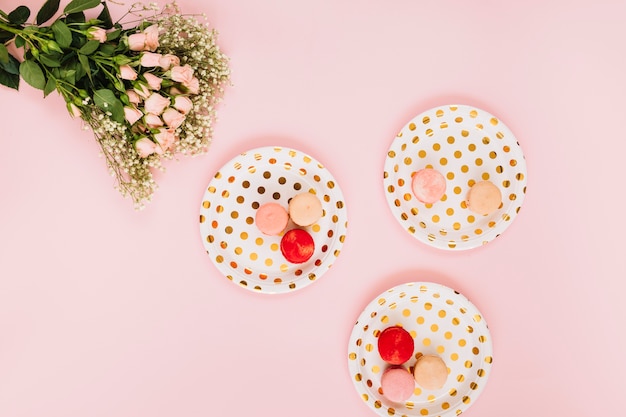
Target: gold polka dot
[
  {"x": 422, "y": 154},
  {"x": 435, "y": 219},
  {"x": 424, "y": 412},
  {"x": 352, "y": 356},
  {"x": 475, "y": 350},
  {"x": 462, "y": 342},
  {"x": 259, "y": 241},
  {"x": 445, "y": 405},
  {"x": 471, "y": 147},
  {"x": 413, "y": 334},
  {"x": 440, "y": 349},
  {"x": 464, "y": 133},
  {"x": 443, "y": 161},
  {"x": 415, "y": 139},
  {"x": 420, "y": 320},
  {"x": 458, "y": 154},
  {"x": 464, "y": 169},
  {"x": 406, "y": 312},
  {"x": 513, "y": 162},
  {"x": 436, "y": 146},
  {"x": 254, "y": 256},
  {"x": 412, "y": 126},
  {"x": 485, "y": 176},
  {"x": 450, "y": 175},
  {"x": 369, "y": 347},
  {"x": 408, "y": 161},
  {"x": 450, "y": 211},
  {"x": 455, "y": 321},
  {"x": 315, "y": 228},
  {"x": 426, "y": 120},
  {"x": 448, "y": 335},
  {"x": 429, "y": 132},
  {"x": 439, "y": 113},
  {"x": 206, "y": 204},
  {"x": 375, "y": 369},
  {"x": 269, "y": 262},
  {"x": 434, "y": 327},
  {"x": 454, "y": 356},
  {"x": 384, "y": 319},
  {"x": 426, "y": 341},
  {"x": 407, "y": 197},
  {"x": 456, "y": 226},
  {"x": 478, "y": 161},
  {"x": 460, "y": 378}
]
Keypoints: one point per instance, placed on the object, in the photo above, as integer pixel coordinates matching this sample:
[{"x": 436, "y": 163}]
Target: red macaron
[
  {"x": 297, "y": 246},
  {"x": 395, "y": 345}
]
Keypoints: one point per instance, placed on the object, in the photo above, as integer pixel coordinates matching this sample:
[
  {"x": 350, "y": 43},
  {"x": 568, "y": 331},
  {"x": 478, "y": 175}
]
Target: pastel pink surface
[
  {"x": 271, "y": 218},
  {"x": 428, "y": 185},
  {"x": 105, "y": 311},
  {"x": 397, "y": 384}
]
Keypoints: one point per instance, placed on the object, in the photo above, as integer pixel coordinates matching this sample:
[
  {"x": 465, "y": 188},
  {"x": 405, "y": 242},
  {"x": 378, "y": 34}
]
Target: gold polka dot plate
[
  {"x": 442, "y": 322},
  {"x": 466, "y": 145},
  {"x": 231, "y": 238}
]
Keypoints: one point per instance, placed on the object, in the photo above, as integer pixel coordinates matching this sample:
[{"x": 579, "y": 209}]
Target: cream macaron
[
  {"x": 305, "y": 209},
  {"x": 484, "y": 198}
]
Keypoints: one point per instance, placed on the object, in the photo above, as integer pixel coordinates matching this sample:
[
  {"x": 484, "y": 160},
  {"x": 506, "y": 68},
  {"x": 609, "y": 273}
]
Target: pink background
[{"x": 105, "y": 311}]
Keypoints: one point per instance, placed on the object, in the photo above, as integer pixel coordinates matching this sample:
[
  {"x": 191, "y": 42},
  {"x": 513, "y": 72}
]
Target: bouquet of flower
[{"x": 147, "y": 91}]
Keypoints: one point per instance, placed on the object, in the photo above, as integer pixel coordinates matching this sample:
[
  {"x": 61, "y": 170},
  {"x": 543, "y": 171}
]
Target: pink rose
[
  {"x": 153, "y": 81},
  {"x": 183, "y": 74},
  {"x": 152, "y": 120},
  {"x": 127, "y": 73},
  {"x": 133, "y": 97},
  {"x": 150, "y": 59},
  {"x": 156, "y": 103},
  {"x": 132, "y": 114},
  {"x": 183, "y": 104},
  {"x": 145, "y": 147},
  {"x": 193, "y": 86},
  {"x": 142, "y": 90},
  {"x": 137, "y": 41},
  {"x": 175, "y": 91},
  {"x": 152, "y": 37},
  {"x": 97, "y": 34},
  {"x": 173, "y": 118},
  {"x": 167, "y": 61},
  {"x": 165, "y": 138}
]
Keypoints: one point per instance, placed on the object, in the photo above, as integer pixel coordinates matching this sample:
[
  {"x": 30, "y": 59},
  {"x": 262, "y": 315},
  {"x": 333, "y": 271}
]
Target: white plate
[
  {"x": 466, "y": 145},
  {"x": 442, "y": 322},
  {"x": 234, "y": 243}
]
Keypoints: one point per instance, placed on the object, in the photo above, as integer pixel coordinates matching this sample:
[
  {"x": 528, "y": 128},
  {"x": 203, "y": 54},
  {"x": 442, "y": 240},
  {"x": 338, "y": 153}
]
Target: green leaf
[
  {"x": 19, "y": 42},
  {"x": 75, "y": 18},
  {"x": 107, "y": 101},
  {"x": 50, "y": 60},
  {"x": 48, "y": 10},
  {"x": 89, "y": 48},
  {"x": 106, "y": 49},
  {"x": 19, "y": 15},
  {"x": 5, "y": 36},
  {"x": 105, "y": 17},
  {"x": 10, "y": 80},
  {"x": 62, "y": 34},
  {"x": 4, "y": 54},
  {"x": 31, "y": 73},
  {"x": 114, "y": 34},
  {"x": 84, "y": 63},
  {"x": 12, "y": 67},
  {"x": 76, "y": 6},
  {"x": 51, "y": 85}
]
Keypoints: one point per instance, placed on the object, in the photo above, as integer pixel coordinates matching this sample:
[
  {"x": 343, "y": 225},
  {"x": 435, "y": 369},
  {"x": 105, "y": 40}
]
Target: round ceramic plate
[
  {"x": 466, "y": 145},
  {"x": 442, "y": 322},
  {"x": 234, "y": 243}
]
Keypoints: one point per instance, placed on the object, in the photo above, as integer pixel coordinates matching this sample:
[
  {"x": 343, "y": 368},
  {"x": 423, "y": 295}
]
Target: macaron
[
  {"x": 297, "y": 246},
  {"x": 430, "y": 372},
  {"x": 305, "y": 209},
  {"x": 484, "y": 198},
  {"x": 397, "y": 384},
  {"x": 395, "y": 345},
  {"x": 428, "y": 185},
  {"x": 271, "y": 218}
]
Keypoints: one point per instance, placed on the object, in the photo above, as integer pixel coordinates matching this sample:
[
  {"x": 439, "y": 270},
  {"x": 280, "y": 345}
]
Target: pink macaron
[
  {"x": 271, "y": 218},
  {"x": 428, "y": 185},
  {"x": 397, "y": 384}
]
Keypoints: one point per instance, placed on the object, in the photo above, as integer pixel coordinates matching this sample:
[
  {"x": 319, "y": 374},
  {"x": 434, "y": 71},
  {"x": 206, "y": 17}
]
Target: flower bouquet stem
[{"x": 147, "y": 91}]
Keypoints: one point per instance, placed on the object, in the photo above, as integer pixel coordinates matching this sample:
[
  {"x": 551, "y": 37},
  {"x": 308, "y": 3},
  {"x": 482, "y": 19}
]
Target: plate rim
[
  {"x": 474, "y": 242},
  {"x": 365, "y": 314},
  {"x": 336, "y": 245}
]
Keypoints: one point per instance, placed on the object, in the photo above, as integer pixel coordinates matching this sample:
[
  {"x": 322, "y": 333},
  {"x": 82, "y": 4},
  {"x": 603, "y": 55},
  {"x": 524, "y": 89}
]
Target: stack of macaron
[
  {"x": 429, "y": 186},
  {"x": 296, "y": 244},
  {"x": 396, "y": 346}
]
